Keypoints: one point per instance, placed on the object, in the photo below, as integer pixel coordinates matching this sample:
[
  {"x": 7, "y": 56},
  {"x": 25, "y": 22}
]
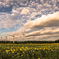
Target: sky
[{"x": 29, "y": 20}]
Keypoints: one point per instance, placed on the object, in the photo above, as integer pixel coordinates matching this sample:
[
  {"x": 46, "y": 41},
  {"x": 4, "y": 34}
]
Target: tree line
[{"x": 17, "y": 42}]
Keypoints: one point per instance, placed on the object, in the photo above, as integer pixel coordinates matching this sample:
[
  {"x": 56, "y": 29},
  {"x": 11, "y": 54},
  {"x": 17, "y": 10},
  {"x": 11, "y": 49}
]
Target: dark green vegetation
[{"x": 17, "y": 42}]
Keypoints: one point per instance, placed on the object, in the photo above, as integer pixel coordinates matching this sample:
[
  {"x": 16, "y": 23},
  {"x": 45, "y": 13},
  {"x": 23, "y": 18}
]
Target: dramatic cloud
[
  {"x": 29, "y": 16},
  {"x": 44, "y": 21},
  {"x": 44, "y": 32},
  {"x": 47, "y": 25}
]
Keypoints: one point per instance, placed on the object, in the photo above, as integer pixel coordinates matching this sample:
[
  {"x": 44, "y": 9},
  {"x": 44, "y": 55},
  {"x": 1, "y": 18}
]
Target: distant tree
[{"x": 57, "y": 41}]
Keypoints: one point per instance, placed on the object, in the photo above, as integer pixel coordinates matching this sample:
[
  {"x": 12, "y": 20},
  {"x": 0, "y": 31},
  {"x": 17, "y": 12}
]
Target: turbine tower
[
  {"x": 1, "y": 38},
  {"x": 13, "y": 38},
  {"x": 23, "y": 36},
  {"x": 6, "y": 39}
]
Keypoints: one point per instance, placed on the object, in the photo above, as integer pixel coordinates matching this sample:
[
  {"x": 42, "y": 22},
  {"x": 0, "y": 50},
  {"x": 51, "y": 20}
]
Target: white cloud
[
  {"x": 25, "y": 11},
  {"x": 7, "y": 21}
]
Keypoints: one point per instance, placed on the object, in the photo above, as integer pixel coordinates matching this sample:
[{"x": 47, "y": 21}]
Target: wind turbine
[
  {"x": 6, "y": 39},
  {"x": 13, "y": 38},
  {"x": 23, "y": 35},
  {"x": 1, "y": 39}
]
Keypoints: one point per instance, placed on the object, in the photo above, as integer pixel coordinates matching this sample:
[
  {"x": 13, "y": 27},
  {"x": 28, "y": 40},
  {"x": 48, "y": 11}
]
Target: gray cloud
[{"x": 44, "y": 32}]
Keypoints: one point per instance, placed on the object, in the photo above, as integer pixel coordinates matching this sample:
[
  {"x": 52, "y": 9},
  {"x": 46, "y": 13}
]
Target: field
[{"x": 29, "y": 51}]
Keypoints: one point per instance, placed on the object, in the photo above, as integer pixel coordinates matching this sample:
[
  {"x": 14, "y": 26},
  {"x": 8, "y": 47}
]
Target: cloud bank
[
  {"x": 50, "y": 20},
  {"x": 29, "y": 16},
  {"x": 47, "y": 26}
]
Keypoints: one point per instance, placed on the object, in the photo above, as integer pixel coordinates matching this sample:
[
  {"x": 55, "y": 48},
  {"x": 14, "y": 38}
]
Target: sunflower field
[{"x": 29, "y": 51}]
